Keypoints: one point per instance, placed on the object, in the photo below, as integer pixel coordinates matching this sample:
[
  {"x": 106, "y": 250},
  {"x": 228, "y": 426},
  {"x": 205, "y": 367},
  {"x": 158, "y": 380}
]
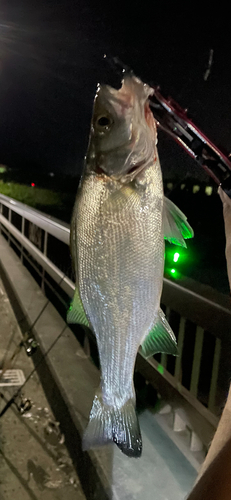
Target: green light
[
  {"x": 173, "y": 271},
  {"x": 160, "y": 369},
  {"x": 176, "y": 257}
]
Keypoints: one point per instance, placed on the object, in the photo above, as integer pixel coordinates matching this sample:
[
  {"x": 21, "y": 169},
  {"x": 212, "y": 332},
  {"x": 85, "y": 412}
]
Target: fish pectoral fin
[
  {"x": 160, "y": 339},
  {"x": 76, "y": 313},
  {"x": 176, "y": 227},
  {"x": 125, "y": 198}
]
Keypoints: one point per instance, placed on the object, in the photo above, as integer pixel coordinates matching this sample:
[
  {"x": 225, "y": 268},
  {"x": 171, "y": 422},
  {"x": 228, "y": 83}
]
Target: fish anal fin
[
  {"x": 76, "y": 313},
  {"x": 175, "y": 225},
  {"x": 160, "y": 339}
]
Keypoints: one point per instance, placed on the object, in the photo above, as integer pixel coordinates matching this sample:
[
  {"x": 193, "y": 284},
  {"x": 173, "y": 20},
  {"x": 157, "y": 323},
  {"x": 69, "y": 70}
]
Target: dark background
[{"x": 51, "y": 59}]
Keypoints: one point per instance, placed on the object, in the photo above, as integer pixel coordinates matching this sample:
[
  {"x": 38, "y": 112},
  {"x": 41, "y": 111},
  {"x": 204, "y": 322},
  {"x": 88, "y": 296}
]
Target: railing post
[
  {"x": 164, "y": 358},
  {"x": 9, "y": 219},
  {"x": 45, "y": 253},
  {"x": 23, "y": 232},
  {"x": 215, "y": 369},
  {"x": 45, "y": 243},
  {"x": 180, "y": 344},
  {"x": 196, "y": 360}
]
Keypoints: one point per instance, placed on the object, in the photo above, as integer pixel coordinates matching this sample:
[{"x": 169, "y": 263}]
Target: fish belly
[{"x": 120, "y": 269}]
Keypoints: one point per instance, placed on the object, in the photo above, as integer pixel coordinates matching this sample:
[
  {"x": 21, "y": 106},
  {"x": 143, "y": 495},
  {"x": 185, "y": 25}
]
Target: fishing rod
[
  {"x": 30, "y": 345},
  {"x": 172, "y": 119}
]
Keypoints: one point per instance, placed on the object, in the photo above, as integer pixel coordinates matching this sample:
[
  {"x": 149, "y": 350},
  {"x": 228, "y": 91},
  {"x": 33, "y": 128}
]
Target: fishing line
[
  {"x": 11, "y": 400},
  {"x": 32, "y": 345}
]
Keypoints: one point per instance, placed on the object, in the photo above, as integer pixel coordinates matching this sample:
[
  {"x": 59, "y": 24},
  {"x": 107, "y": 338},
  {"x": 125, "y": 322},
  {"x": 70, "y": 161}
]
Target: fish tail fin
[{"x": 112, "y": 424}]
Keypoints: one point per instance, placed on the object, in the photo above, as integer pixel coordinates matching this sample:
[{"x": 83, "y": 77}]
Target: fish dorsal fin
[
  {"x": 160, "y": 339},
  {"x": 76, "y": 313},
  {"x": 176, "y": 227}
]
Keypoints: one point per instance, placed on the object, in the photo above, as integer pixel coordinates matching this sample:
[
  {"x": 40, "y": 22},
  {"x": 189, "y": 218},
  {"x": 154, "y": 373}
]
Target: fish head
[{"x": 123, "y": 130}]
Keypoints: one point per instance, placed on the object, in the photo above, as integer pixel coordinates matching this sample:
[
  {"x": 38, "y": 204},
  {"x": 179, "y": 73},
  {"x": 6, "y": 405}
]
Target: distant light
[
  {"x": 32, "y": 184},
  {"x": 170, "y": 185},
  {"x": 176, "y": 257},
  {"x": 173, "y": 271},
  {"x": 196, "y": 189},
  {"x": 208, "y": 190},
  {"x": 182, "y": 186},
  {"x": 51, "y": 174}
]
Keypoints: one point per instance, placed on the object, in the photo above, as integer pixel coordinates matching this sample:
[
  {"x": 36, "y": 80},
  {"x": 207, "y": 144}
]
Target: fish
[{"x": 119, "y": 223}]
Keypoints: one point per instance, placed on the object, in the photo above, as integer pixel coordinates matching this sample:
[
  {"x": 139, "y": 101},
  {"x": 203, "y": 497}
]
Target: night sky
[{"x": 52, "y": 59}]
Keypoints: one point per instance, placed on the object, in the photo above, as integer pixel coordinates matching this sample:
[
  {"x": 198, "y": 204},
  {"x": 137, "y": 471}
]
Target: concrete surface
[
  {"x": 34, "y": 461},
  {"x": 70, "y": 380}
]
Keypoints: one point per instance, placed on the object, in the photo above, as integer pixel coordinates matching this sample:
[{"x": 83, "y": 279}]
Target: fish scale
[{"x": 124, "y": 275}]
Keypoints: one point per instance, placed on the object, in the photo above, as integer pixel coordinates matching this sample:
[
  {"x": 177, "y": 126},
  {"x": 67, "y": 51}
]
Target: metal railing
[{"x": 198, "y": 378}]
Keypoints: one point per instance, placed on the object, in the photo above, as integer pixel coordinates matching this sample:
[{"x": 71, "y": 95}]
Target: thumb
[
  {"x": 227, "y": 222},
  {"x": 224, "y": 197}
]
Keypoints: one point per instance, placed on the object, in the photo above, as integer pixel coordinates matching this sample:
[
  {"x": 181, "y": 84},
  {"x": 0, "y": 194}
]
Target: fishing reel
[
  {"x": 23, "y": 404},
  {"x": 30, "y": 345}
]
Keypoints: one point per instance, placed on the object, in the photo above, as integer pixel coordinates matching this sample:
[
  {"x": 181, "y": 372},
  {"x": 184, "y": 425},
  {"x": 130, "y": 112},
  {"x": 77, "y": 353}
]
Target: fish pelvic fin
[
  {"x": 160, "y": 339},
  {"x": 176, "y": 227},
  {"x": 76, "y": 313},
  {"x": 109, "y": 424}
]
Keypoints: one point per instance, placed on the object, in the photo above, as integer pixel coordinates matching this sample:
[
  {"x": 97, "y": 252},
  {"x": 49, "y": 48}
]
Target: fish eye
[{"x": 104, "y": 122}]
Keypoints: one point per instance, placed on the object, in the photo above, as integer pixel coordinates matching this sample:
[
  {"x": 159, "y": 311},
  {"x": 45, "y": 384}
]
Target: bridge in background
[{"x": 191, "y": 388}]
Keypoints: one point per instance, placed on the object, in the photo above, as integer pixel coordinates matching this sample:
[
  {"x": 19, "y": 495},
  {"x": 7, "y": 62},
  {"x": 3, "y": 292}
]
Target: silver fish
[{"x": 118, "y": 227}]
